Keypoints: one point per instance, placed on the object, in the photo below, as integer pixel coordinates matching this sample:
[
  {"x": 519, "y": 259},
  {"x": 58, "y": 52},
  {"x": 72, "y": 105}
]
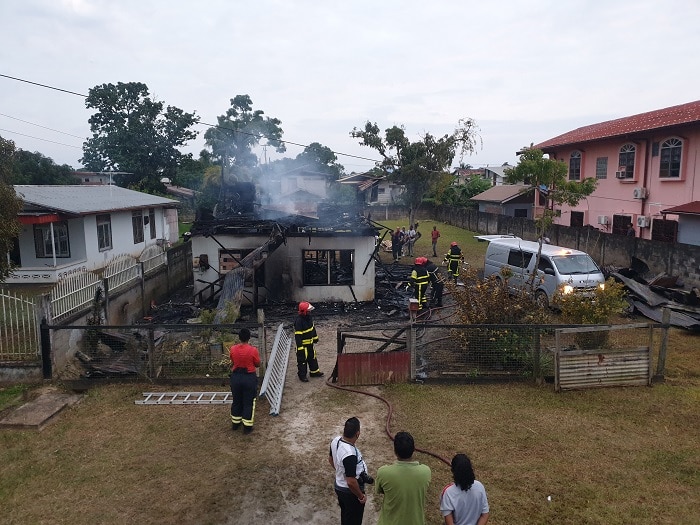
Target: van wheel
[{"x": 541, "y": 299}]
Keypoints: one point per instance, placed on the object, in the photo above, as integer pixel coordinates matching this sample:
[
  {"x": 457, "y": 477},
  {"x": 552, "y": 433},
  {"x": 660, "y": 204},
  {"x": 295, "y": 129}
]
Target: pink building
[{"x": 645, "y": 164}]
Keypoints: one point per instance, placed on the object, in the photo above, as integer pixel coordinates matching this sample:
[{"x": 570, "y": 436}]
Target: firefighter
[
  {"x": 245, "y": 358},
  {"x": 436, "y": 284},
  {"x": 305, "y": 336},
  {"x": 419, "y": 281},
  {"x": 453, "y": 258}
]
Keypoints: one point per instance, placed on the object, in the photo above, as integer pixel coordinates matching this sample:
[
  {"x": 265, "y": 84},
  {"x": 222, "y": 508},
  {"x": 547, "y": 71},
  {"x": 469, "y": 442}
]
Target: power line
[
  {"x": 199, "y": 122},
  {"x": 38, "y": 138},
  {"x": 43, "y": 85},
  {"x": 40, "y": 126}
]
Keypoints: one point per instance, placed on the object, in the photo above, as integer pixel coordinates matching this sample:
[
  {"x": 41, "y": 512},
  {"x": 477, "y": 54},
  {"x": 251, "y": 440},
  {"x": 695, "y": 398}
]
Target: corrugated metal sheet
[
  {"x": 580, "y": 369},
  {"x": 373, "y": 368}
]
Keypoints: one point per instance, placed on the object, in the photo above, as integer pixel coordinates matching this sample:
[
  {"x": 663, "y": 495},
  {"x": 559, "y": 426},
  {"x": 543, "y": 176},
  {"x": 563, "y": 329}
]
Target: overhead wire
[{"x": 199, "y": 122}]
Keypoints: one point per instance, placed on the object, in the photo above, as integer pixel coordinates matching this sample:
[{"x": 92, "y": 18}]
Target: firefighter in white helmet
[{"x": 305, "y": 336}]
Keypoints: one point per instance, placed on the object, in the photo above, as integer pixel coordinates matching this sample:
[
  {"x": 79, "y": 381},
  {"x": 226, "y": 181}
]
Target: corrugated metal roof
[
  {"x": 690, "y": 208},
  {"x": 83, "y": 200},
  {"x": 660, "y": 118},
  {"x": 502, "y": 193}
]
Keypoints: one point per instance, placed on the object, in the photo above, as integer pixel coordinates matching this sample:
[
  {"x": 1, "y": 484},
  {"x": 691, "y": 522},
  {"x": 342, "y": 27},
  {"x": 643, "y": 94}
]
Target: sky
[{"x": 524, "y": 70}]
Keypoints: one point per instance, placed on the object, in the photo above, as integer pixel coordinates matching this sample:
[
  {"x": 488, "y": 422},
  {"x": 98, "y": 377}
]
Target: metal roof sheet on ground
[
  {"x": 502, "y": 193},
  {"x": 657, "y": 119},
  {"x": 83, "y": 200}
]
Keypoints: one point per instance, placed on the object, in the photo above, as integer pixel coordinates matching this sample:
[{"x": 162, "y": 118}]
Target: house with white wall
[
  {"x": 645, "y": 165},
  {"x": 67, "y": 229}
]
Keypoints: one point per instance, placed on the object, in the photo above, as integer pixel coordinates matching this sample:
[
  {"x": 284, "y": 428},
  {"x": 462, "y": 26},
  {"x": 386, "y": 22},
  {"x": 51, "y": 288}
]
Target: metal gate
[{"x": 19, "y": 333}]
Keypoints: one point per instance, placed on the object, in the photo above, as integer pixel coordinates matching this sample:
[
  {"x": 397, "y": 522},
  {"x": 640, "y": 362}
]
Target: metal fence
[
  {"x": 73, "y": 294},
  {"x": 155, "y": 352},
  {"x": 496, "y": 351},
  {"x": 120, "y": 271},
  {"x": 19, "y": 334}
]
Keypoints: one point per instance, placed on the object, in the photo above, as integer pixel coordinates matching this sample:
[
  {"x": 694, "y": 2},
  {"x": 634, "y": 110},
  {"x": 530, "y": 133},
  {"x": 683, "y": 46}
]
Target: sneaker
[
  {"x": 317, "y": 374},
  {"x": 304, "y": 379}
]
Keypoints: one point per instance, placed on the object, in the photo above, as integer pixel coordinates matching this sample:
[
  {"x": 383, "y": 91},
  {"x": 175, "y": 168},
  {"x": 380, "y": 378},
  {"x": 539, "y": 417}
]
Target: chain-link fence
[
  {"x": 518, "y": 351},
  {"x": 156, "y": 352}
]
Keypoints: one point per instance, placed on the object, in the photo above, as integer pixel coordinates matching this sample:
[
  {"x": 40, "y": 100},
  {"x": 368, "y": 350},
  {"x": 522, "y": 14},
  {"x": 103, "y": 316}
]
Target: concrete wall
[{"x": 682, "y": 260}]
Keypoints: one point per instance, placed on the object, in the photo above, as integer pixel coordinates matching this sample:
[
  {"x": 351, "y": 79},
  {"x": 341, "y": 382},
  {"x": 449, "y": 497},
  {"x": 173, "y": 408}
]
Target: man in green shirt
[{"x": 404, "y": 485}]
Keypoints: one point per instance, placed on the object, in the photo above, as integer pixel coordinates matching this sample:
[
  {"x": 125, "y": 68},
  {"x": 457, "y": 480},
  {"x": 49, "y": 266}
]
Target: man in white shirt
[{"x": 350, "y": 474}]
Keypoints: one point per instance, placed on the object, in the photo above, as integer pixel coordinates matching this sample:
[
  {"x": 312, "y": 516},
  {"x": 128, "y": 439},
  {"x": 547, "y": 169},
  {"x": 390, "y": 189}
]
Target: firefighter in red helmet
[
  {"x": 305, "y": 336},
  {"x": 419, "y": 281}
]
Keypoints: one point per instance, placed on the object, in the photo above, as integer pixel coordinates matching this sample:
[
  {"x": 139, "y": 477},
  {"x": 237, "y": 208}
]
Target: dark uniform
[
  {"x": 419, "y": 280},
  {"x": 453, "y": 258},
  {"x": 436, "y": 284},
  {"x": 305, "y": 336},
  {"x": 244, "y": 382}
]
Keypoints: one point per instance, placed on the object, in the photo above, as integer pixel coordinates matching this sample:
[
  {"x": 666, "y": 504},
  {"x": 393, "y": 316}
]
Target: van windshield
[{"x": 575, "y": 264}]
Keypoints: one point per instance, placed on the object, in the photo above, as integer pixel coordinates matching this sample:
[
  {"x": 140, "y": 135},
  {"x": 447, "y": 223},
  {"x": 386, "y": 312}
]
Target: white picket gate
[
  {"x": 152, "y": 257},
  {"x": 19, "y": 333},
  {"x": 73, "y": 294},
  {"x": 120, "y": 271}
]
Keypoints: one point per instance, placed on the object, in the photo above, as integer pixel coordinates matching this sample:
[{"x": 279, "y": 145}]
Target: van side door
[{"x": 518, "y": 261}]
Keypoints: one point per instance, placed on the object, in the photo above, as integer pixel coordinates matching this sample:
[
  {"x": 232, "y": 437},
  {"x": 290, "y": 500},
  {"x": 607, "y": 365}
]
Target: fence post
[
  {"x": 262, "y": 341},
  {"x": 151, "y": 354},
  {"x": 661, "y": 363},
  {"x": 411, "y": 345},
  {"x": 105, "y": 292},
  {"x": 536, "y": 369},
  {"x": 144, "y": 306},
  {"x": 46, "y": 367}
]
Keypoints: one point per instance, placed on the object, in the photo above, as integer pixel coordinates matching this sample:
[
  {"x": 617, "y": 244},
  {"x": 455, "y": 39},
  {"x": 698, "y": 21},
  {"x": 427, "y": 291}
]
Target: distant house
[
  {"x": 295, "y": 191},
  {"x": 69, "y": 228},
  {"x": 688, "y": 222},
  {"x": 496, "y": 174},
  {"x": 97, "y": 177},
  {"x": 375, "y": 190},
  {"x": 645, "y": 164},
  {"x": 513, "y": 200},
  {"x": 463, "y": 175}
]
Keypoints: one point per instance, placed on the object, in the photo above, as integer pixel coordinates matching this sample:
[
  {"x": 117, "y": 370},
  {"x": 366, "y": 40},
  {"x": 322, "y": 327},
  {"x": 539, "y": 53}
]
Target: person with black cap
[
  {"x": 305, "y": 336},
  {"x": 453, "y": 258},
  {"x": 245, "y": 358}
]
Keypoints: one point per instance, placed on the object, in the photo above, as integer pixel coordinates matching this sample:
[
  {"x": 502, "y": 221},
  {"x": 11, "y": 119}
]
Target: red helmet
[
  {"x": 305, "y": 308},
  {"x": 454, "y": 243},
  {"x": 421, "y": 260}
]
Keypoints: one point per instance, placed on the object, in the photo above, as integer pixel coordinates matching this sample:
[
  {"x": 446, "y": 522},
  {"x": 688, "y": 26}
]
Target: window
[
  {"x": 544, "y": 264},
  {"x": 575, "y": 166},
  {"x": 601, "y": 168},
  {"x": 137, "y": 226},
  {"x": 328, "y": 267},
  {"x": 152, "y": 222},
  {"x": 576, "y": 219},
  {"x": 520, "y": 212},
  {"x": 670, "y": 164},
  {"x": 519, "y": 258},
  {"x": 104, "y": 232},
  {"x": 42, "y": 240},
  {"x": 625, "y": 163}
]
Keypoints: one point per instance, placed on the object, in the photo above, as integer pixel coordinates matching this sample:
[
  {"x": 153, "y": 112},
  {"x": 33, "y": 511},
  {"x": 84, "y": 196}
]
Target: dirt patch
[{"x": 309, "y": 419}]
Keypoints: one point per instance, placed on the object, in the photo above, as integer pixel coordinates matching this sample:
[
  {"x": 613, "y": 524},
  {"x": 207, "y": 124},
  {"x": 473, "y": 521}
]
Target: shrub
[{"x": 606, "y": 303}]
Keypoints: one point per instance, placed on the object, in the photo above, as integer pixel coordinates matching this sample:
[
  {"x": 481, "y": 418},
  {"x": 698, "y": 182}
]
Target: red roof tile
[
  {"x": 690, "y": 208},
  {"x": 660, "y": 118}
]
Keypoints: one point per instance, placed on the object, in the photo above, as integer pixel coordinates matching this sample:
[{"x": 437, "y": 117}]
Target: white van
[{"x": 560, "y": 269}]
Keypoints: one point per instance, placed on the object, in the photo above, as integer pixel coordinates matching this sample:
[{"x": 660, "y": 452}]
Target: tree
[
  {"x": 132, "y": 133},
  {"x": 35, "y": 168},
  {"x": 239, "y": 130},
  {"x": 549, "y": 177},
  {"x": 460, "y": 195},
  {"x": 10, "y": 206},
  {"x": 419, "y": 166},
  {"x": 321, "y": 159}
]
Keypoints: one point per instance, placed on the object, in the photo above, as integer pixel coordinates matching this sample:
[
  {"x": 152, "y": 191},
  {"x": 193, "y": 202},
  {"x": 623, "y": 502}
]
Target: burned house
[{"x": 282, "y": 258}]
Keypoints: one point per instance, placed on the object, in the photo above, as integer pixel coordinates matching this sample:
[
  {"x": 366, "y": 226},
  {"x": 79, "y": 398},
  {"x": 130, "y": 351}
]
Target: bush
[{"x": 605, "y": 304}]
